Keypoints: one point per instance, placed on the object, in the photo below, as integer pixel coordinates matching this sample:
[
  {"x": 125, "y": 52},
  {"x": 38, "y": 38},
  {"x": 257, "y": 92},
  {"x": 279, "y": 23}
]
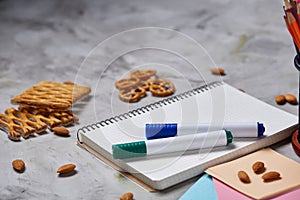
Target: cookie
[
  {"x": 26, "y": 122},
  {"x": 46, "y": 94}
]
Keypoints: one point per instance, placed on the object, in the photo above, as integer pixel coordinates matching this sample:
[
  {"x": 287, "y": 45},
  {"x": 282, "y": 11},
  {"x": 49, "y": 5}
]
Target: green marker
[{"x": 172, "y": 144}]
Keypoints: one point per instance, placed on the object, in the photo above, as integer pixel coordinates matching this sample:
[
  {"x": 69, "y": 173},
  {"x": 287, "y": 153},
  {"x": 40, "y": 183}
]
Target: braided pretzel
[
  {"x": 145, "y": 84},
  {"x": 127, "y": 83},
  {"x": 161, "y": 88},
  {"x": 133, "y": 95},
  {"x": 143, "y": 74}
]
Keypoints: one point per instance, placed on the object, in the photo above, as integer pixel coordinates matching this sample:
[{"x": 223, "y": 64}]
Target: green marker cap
[
  {"x": 129, "y": 150},
  {"x": 229, "y": 137}
]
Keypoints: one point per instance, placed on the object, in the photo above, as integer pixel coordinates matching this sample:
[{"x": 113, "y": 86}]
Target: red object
[{"x": 295, "y": 143}]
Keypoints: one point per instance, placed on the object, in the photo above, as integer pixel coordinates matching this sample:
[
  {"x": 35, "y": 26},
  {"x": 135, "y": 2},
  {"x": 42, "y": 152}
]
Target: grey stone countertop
[{"x": 97, "y": 42}]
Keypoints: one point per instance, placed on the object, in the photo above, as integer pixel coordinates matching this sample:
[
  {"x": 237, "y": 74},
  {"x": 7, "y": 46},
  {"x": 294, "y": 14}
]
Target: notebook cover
[{"x": 114, "y": 166}]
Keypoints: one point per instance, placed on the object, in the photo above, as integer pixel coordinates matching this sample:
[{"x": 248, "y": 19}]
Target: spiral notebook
[{"x": 214, "y": 103}]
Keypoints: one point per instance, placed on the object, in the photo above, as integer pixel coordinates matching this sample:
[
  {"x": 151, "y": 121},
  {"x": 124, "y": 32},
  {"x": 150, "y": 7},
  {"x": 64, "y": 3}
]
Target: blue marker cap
[
  {"x": 154, "y": 131},
  {"x": 260, "y": 129}
]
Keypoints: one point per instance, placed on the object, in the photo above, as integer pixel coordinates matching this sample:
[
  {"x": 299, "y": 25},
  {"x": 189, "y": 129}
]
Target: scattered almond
[
  {"x": 242, "y": 90},
  {"x": 66, "y": 168},
  {"x": 61, "y": 131},
  {"x": 243, "y": 176},
  {"x": 258, "y": 167},
  {"x": 280, "y": 99},
  {"x": 291, "y": 99},
  {"x": 18, "y": 165},
  {"x": 127, "y": 196},
  {"x": 69, "y": 83},
  {"x": 218, "y": 71},
  {"x": 271, "y": 176}
]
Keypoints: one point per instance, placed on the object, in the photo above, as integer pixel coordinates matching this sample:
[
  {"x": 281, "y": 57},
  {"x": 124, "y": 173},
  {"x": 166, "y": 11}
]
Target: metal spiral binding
[{"x": 149, "y": 107}]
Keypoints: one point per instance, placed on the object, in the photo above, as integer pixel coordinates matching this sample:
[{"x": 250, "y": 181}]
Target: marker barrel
[
  {"x": 240, "y": 129},
  {"x": 172, "y": 144}
]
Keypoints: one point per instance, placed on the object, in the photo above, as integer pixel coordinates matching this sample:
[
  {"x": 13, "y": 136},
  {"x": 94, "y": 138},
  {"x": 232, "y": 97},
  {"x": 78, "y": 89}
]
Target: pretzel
[
  {"x": 161, "y": 88},
  {"x": 132, "y": 95},
  {"x": 25, "y": 121},
  {"x": 132, "y": 89},
  {"x": 143, "y": 74},
  {"x": 51, "y": 95},
  {"x": 145, "y": 84},
  {"x": 127, "y": 83}
]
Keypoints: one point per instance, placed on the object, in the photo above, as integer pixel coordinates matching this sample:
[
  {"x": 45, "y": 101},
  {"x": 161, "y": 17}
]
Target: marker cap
[
  {"x": 229, "y": 137},
  {"x": 128, "y": 150},
  {"x": 154, "y": 131},
  {"x": 260, "y": 129}
]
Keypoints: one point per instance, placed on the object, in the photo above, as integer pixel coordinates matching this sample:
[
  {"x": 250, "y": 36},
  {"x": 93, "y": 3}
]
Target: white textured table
[{"x": 49, "y": 40}]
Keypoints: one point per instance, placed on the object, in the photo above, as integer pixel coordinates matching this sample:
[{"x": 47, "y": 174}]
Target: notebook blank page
[{"x": 217, "y": 105}]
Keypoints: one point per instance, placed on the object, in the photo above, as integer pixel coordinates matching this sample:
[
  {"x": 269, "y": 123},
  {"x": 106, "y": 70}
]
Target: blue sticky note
[{"x": 204, "y": 188}]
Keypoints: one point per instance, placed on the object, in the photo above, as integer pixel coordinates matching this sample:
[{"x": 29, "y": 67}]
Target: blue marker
[
  {"x": 238, "y": 129},
  {"x": 172, "y": 144}
]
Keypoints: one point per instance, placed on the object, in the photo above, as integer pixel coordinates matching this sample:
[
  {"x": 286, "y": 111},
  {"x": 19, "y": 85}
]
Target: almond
[
  {"x": 271, "y": 176},
  {"x": 258, "y": 167},
  {"x": 280, "y": 99},
  {"x": 291, "y": 99},
  {"x": 18, "y": 165},
  {"x": 127, "y": 196},
  {"x": 69, "y": 83},
  {"x": 242, "y": 90},
  {"x": 243, "y": 176},
  {"x": 60, "y": 131},
  {"x": 66, "y": 168},
  {"x": 218, "y": 71}
]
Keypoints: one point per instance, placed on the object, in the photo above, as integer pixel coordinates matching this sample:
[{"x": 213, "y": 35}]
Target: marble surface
[{"x": 98, "y": 42}]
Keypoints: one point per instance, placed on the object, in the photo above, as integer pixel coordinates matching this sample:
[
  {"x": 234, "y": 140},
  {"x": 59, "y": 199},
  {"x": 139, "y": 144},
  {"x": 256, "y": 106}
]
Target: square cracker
[{"x": 53, "y": 95}]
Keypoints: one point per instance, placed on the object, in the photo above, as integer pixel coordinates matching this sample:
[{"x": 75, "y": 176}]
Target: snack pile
[
  {"x": 45, "y": 105},
  {"x": 133, "y": 88}
]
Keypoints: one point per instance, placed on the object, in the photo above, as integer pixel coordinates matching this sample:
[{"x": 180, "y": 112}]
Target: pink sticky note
[{"x": 226, "y": 192}]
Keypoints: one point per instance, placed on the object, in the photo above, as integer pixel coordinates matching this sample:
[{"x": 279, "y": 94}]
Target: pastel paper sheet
[
  {"x": 203, "y": 188},
  {"x": 257, "y": 189},
  {"x": 224, "y": 192}
]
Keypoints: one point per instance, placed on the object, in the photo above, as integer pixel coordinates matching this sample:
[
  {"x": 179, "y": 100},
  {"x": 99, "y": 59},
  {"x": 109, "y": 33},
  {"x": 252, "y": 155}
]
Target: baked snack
[
  {"x": 143, "y": 74},
  {"x": 52, "y": 95},
  {"x": 161, "y": 88},
  {"x": 65, "y": 117},
  {"x": 127, "y": 83},
  {"x": 28, "y": 121},
  {"x": 133, "y": 88},
  {"x": 132, "y": 95}
]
